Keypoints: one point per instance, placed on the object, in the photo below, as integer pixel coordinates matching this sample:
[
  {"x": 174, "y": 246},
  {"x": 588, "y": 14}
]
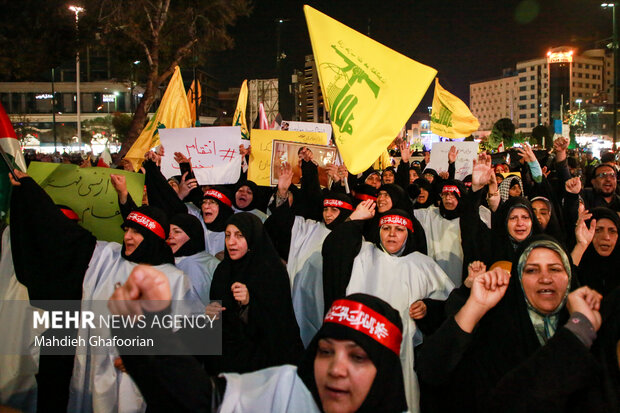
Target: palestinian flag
[{"x": 10, "y": 144}]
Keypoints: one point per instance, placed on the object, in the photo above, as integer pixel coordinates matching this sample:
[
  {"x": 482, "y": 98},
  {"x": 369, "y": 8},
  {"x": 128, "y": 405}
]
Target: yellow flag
[
  {"x": 239, "y": 117},
  {"x": 194, "y": 95},
  {"x": 173, "y": 112},
  {"x": 370, "y": 90},
  {"x": 450, "y": 116}
]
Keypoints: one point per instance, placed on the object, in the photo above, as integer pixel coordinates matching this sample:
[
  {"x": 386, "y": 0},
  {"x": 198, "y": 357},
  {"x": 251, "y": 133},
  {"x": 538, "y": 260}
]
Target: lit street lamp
[
  {"x": 578, "y": 102},
  {"x": 77, "y": 10},
  {"x": 614, "y": 46}
]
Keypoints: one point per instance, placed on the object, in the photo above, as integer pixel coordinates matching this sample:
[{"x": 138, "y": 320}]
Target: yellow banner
[
  {"x": 450, "y": 116},
  {"x": 173, "y": 112},
  {"x": 239, "y": 117},
  {"x": 259, "y": 167},
  {"x": 370, "y": 90}
]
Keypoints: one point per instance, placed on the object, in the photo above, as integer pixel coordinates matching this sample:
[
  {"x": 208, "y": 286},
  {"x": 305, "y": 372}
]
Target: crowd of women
[{"x": 389, "y": 291}]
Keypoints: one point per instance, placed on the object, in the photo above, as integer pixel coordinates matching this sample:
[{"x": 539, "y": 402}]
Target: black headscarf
[
  {"x": 271, "y": 335},
  {"x": 193, "y": 228},
  {"x": 416, "y": 238},
  {"x": 595, "y": 271},
  {"x": 364, "y": 192},
  {"x": 399, "y": 197},
  {"x": 254, "y": 188},
  {"x": 553, "y": 226},
  {"x": 456, "y": 188},
  {"x": 424, "y": 184},
  {"x": 391, "y": 169},
  {"x": 387, "y": 393},
  {"x": 341, "y": 201},
  {"x": 503, "y": 246},
  {"x": 224, "y": 199},
  {"x": 152, "y": 224}
]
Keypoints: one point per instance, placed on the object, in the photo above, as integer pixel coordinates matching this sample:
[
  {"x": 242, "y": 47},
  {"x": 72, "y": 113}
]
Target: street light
[
  {"x": 614, "y": 46},
  {"x": 578, "y": 102},
  {"x": 77, "y": 10}
]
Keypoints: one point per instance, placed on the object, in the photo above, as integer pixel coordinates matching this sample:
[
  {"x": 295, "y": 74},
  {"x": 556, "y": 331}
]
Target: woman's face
[
  {"x": 373, "y": 180},
  {"x": 393, "y": 237},
  {"x": 388, "y": 177},
  {"x": 515, "y": 190},
  {"x": 605, "y": 237},
  {"x": 429, "y": 177},
  {"x": 210, "y": 209},
  {"x": 244, "y": 196},
  {"x": 384, "y": 202},
  {"x": 330, "y": 214},
  {"x": 423, "y": 197},
  {"x": 544, "y": 280},
  {"x": 236, "y": 244},
  {"x": 542, "y": 212},
  {"x": 343, "y": 373},
  {"x": 413, "y": 175},
  {"x": 132, "y": 240},
  {"x": 177, "y": 238},
  {"x": 519, "y": 224}
]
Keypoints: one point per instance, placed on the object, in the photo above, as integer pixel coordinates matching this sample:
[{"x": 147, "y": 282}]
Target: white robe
[
  {"x": 19, "y": 358},
  {"x": 274, "y": 390},
  {"x": 305, "y": 269},
  {"x": 400, "y": 281},
  {"x": 214, "y": 241},
  {"x": 443, "y": 240},
  {"x": 256, "y": 212},
  {"x": 199, "y": 268},
  {"x": 96, "y": 385}
]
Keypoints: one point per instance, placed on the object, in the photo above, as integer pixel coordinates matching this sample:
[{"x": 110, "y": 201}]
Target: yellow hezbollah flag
[
  {"x": 370, "y": 90},
  {"x": 239, "y": 117},
  {"x": 173, "y": 112},
  {"x": 194, "y": 94},
  {"x": 451, "y": 117}
]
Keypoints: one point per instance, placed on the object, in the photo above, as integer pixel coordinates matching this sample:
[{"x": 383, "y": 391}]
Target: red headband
[
  {"x": 69, "y": 213},
  {"x": 367, "y": 321},
  {"x": 147, "y": 223},
  {"x": 398, "y": 220},
  {"x": 451, "y": 188},
  {"x": 218, "y": 195},
  {"x": 364, "y": 197},
  {"x": 337, "y": 204}
]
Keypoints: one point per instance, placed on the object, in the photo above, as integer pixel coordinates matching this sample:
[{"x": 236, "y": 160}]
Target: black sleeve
[
  {"x": 279, "y": 226},
  {"x": 451, "y": 170},
  {"x": 50, "y": 252},
  {"x": 339, "y": 250},
  {"x": 311, "y": 196},
  {"x": 195, "y": 196},
  {"x": 435, "y": 316},
  {"x": 546, "y": 380},
  {"x": 402, "y": 174},
  {"x": 439, "y": 355},
  {"x": 159, "y": 192},
  {"x": 127, "y": 207}
]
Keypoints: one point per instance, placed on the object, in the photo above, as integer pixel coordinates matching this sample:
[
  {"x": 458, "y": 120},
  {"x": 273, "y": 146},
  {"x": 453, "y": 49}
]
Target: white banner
[
  {"x": 468, "y": 151},
  {"x": 213, "y": 152},
  {"x": 325, "y": 128}
]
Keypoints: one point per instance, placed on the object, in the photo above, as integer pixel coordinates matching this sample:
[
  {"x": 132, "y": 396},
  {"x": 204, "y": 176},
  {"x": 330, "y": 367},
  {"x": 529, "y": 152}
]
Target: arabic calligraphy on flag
[{"x": 213, "y": 152}]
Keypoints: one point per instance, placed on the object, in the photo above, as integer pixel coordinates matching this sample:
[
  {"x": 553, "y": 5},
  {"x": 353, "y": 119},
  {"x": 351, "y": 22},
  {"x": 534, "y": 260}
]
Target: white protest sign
[
  {"x": 325, "y": 128},
  {"x": 214, "y": 153},
  {"x": 468, "y": 151}
]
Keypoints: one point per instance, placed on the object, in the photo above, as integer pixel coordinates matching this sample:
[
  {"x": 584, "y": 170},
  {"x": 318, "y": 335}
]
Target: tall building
[
  {"x": 544, "y": 88},
  {"x": 312, "y": 106},
  {"x": 263, "y": 91}
]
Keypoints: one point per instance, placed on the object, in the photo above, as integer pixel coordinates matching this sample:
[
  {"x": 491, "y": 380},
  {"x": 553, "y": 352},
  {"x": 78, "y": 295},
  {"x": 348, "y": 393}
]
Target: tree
[
  {"x": 122, "y": 124},
  {"x": 503, "y": 131},
  {"x": 165, "y": 33}
]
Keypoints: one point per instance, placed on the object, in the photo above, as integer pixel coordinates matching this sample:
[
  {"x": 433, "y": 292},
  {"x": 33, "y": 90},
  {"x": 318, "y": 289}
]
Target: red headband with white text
[
  {"x": 397, "y": 220},
  {"x": 148, "y": 223},
  {"x": 218, "y": 195},
  {"x": 367, "y": 321},
  {"x": 451, "y": 188},
  {"x": 336, "y": 203}
]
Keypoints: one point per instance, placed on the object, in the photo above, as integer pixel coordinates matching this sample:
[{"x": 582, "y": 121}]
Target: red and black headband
[
  {"x": 148, "y": 223},
  {"x": 396, "y": 220},
  {"x": 364, "y": 319},
  {"x": 451, "y": 188},
  {"x": 336, "y": 203}
]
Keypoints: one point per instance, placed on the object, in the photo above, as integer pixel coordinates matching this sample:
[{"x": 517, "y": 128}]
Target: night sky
[{"x": 464, "y": 40}]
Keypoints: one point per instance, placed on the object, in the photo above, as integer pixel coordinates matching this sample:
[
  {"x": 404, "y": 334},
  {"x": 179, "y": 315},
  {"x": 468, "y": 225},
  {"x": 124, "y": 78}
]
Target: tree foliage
[{"x": 163, "y": 33}]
